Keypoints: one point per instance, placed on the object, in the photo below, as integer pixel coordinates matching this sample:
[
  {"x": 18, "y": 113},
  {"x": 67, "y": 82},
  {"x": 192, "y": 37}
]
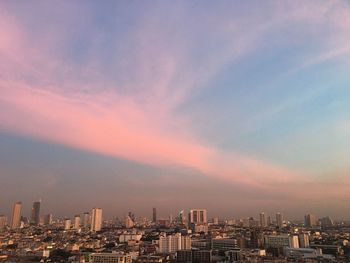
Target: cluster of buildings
[{"x": 88, "y": 237}]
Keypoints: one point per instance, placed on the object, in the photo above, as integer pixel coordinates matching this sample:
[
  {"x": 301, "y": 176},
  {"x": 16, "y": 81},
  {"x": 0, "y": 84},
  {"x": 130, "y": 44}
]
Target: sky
[{"x": 234, "y": 106}]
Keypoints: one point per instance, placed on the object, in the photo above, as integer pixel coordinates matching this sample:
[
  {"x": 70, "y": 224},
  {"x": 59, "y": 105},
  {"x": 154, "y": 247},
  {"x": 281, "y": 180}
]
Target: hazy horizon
[{"x": 236, "y": 107}]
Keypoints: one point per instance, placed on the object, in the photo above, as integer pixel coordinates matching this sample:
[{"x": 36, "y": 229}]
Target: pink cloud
[{"x": 142, "y": 127}]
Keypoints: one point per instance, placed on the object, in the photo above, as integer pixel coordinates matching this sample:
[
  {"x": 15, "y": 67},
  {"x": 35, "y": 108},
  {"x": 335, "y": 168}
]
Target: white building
[
  {"x": 67, "y": 224},
  {"x": 173, "y": 243},
  {"x": 96, "y": 219},
  {"x": 77, "y": 222}
]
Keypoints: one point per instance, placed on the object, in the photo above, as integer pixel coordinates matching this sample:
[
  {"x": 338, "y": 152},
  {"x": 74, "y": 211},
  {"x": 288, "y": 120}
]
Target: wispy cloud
[{"x": 134, "y": 115}]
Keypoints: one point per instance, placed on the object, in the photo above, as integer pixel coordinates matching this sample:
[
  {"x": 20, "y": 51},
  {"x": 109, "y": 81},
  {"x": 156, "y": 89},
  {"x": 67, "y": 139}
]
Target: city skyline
[{"x": 238, "y": 107}]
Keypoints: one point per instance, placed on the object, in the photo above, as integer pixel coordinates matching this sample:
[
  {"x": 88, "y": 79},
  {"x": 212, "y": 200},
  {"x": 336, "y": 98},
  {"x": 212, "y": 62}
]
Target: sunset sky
[{"x": 234, "y": 106}]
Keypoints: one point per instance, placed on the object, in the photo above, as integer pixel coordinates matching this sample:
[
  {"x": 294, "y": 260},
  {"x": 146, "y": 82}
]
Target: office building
[
  {"x": 35, "y": 216},
  {"x": 76, "y": 222},
  {"x": 279, "y": 219},
  {"x": 96, "y": 219},
  {"x": 154, "y": 215},
  {"x": 262, "y": 219},
  {"x": 110, "y": 258},
  {"x": 197, "y": 216},
  {"x": 48, "y": 219},
  {"x": 223, "y": 244},
  {"x": 310, "y": 220},
  {"x": 16, "y": 215},
  {"x": 173, "y": 243},
  {"x": 280, "y": 241},
  {"x": 67, "y": 224},
  {"x": 86, "y": 219},
  {"x": 3, "y": 222},
  {"x": 304, "y": 240}
]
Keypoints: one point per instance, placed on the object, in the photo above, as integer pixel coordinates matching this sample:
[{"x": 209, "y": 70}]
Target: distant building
[
  {"x": 86, "y": 219},
  {"x": 310, "y": 220},
  {"x": 279, "y": 219},
  {"x": 96, "y": 219},
  {"x": 223, "y": 244},
  {"x": 154, "y": 215},
  {"x": 304, "y": 240},
  {"x": 129, "y": 223},
  {"x": 262, "y": 219},
  {"x": 197, "y": 216},
  {"x": 194, "y": 256},
  {"x": 16, "y": 215},
  {"x": 35, "y": 215},
  {"x": 48, "y": 219},
  {"x": 326, "y": 221},
  {"x": 109, "y": 258},
  {"x": 76, "y": 222},
  {"x": 197, "y": 220},
  {"x": 173, "y": 243},
  {"x": 280, "y": 241},
  {"x": 3, "y": 222},
  {"x": 67, "y": 224}
]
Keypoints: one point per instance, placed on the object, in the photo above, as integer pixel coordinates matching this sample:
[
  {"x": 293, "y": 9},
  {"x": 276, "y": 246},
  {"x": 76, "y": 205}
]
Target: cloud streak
[{"x": 135, "y": 115}]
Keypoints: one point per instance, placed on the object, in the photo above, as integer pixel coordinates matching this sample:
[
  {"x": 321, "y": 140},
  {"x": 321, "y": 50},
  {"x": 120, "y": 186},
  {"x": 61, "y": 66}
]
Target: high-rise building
[
  {"x": 326, "y": 221},
  {"x": 154, "y": 215},
  {"x": 77, "y": 222},
  {"x": 16, "y": 215},
  {"x": 197, "y": 216},
  {"x": 310, "y": 220},
  {"x": 67, "y": 224},
  {"x": 3, "y": 222},
  {"x": 35, "y": 216},
  {"x": 263, "y": 220},
  {"x": 279, "y": 219},
  {"x": 86, "y": 219},
  {"x": 268, "y": 221},
  {"x": 173, "y": 243},
  {"x": 129, "y": 223},
  {"x": 304, "y": 240},
  {"x": 197, "y": 220},
  {"x": 96, "y": 219},
  {"x": 48, "y": 219}
]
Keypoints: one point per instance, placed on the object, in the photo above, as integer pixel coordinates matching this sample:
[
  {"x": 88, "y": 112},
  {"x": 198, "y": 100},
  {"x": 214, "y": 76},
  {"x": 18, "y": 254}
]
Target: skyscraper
[
  {"x": 154, "y": 218},
  {"x": 16, "y": 215},
  {"x": 197, "y": 216},
  {"x": 279, "y": 219},
  {"x": 48, "y": 219},
  {"x": 86, "y": 219},
  {"x": 76, "y": 222},
  {"x": 3, "y": 222},
  {"x": 67, "y": 224},
  {"x": 263, "y": 220},
  {"x": 197, "y": 220},
  {"x": 96, "y": 219},
  {"x": 35, "y": 217},
  {"x": 310, "y": 220}
]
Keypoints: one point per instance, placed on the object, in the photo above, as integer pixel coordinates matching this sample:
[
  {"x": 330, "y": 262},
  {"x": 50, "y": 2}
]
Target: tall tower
[
  {"x": 197, "y": 216},
  {"x": 86, "y": 219},
  {"x": 262, "y": 219},
  {"x": 279, "y": 219},
  {"x": 76, "y": 222},
  {"x": 35, "y": 217},
  {"x": 16, "y": 215},
  {"x": 96, "y": 219},
  {"x": 154, "y": 218}
]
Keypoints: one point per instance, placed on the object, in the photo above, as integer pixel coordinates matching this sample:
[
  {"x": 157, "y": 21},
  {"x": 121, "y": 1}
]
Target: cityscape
[
  {"x": 187, "y": 131},
  {"x": 192, "y": 237}
]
